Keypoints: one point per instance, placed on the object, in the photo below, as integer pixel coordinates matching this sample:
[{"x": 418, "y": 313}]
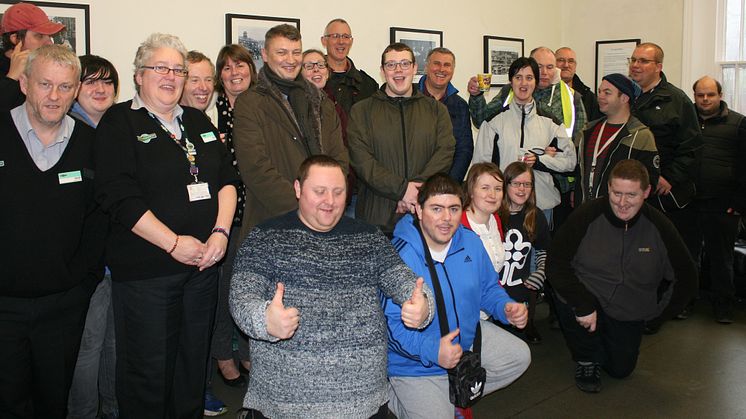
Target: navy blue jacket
[{"x": 458, "y": 109}]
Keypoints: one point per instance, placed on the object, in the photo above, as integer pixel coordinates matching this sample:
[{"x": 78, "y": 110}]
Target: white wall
[
  {"x": 117, "y": 28},
  {"x": 658, "y": 21},
  {"x": 700, "y": 31}
]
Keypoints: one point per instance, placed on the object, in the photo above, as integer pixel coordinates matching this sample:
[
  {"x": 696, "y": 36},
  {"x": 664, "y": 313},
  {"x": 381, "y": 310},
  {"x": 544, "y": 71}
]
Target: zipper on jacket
[
  {"x": 403, "y": 138},
  {"x": 453, "y": 297},
  {"x": 523, "y": 121}
]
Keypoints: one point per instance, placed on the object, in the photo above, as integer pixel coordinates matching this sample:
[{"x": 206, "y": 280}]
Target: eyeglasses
[
  {"x": 391, "y": 65},
  {"x": 527, "y": 185},
  {"x": 335, "y": 36},
  {"x": 641, "y": 61},
  {"x": 162, "y": 69},
  {"x": 566, "y": 60},
  {"x": 311, "y": 64}
]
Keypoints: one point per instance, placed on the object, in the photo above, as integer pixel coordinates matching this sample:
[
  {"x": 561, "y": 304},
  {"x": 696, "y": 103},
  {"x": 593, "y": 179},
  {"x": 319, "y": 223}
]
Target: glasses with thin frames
[
  {"x": 162, "y": 69},
  {"x": 516, "y": 184},
  {"x": 641, "y": 61},
  {"x": 311, "y": 64},
  {"x": 391, "y": 65},
  {"x": 335, "y": 36}
]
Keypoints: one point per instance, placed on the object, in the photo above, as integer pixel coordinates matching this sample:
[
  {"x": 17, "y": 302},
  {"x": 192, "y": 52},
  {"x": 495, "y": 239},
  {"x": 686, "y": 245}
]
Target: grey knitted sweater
[{"x": 335, "y": 364}]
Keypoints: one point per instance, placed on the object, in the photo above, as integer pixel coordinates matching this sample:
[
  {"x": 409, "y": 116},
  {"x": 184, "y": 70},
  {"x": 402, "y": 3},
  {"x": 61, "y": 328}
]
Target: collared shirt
[
  {"x": 172, "y": 125},
  {"x": 44, "y": 156}
]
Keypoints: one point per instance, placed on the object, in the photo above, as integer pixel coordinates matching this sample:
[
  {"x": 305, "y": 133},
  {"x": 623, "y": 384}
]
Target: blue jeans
[{"x": 94, "y": 370}]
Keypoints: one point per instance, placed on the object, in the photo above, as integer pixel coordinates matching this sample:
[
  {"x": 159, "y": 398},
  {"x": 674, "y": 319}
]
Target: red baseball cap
[{"x": 26, "y": 16}]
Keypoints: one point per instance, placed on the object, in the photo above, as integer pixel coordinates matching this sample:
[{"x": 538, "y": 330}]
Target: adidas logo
[
  {"x": 467, "y": 259},
  {"x": 475, "y": 390}
]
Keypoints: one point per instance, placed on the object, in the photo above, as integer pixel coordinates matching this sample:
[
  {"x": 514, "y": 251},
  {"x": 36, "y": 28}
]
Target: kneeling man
[
  {"x": 615, "y": 263},
  {"x": 306, "y": 287},
  {"x": 419, "y": 359}
]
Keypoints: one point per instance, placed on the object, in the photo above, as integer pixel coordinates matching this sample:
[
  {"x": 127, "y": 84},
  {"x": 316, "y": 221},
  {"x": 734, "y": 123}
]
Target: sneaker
[
  {"x": 724, "y": 314},
  {"x": 213, "y": 405},
  {"x": 588, "y": 376},
  {"x": 463, "y": 413}
]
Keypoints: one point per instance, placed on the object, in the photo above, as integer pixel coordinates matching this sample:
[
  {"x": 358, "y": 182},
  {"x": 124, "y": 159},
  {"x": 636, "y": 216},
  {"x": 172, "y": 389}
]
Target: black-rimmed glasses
[{"x": 162, "y": 69}]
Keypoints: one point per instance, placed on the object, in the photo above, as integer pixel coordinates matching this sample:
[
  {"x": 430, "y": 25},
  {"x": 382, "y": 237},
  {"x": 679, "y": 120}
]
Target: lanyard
[
  {"x": 597, "y": 152},
  {"x": 188, "y": 147}
]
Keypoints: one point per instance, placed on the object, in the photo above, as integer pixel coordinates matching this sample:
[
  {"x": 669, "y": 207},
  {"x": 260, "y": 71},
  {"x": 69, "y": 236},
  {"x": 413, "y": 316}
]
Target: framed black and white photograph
[
  {"x": 249, "y": 31},
  {"x": 611, "y": 57},
  {"x": 499, "y": 54},
  {"x": 75, "y": 17},
  {"x": 421, "y": 41}
]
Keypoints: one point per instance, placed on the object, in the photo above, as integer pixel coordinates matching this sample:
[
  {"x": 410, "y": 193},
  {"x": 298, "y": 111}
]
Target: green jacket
[{"x": 394, "y": 141}]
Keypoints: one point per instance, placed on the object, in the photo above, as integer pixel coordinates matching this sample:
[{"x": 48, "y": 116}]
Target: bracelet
[
  {"x": 222, "y": 231},
  {"x": 174, "y": 246}
]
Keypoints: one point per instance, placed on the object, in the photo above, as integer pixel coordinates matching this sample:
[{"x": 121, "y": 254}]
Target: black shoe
[
  {"x": 588, "y": 376},
  {"x": 651, "y": 328},
  {"x": 724, "y": 314},
  {"x": 532, "y": 335},
  {"x": 684, "y": 314}
]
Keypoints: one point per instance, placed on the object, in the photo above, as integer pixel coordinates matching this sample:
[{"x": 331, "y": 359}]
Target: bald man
[
  {"x": 721, "y": 189},
  {"x": 567, "y": 62}
]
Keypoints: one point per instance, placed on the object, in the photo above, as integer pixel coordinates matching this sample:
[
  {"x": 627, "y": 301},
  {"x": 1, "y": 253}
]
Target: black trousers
[
  {"x": 39, "y": 342},
  {"x": 225, "y": 328},
  {"x": 615, "y": 344},
  {"x": 717, "y": 231},
  {"x": 163, "y": 328}
]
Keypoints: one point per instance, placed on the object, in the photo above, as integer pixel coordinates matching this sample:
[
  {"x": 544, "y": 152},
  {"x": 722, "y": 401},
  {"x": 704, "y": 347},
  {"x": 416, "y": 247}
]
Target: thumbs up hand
[
  {"x": 281, "y": 322},
  {"x": 449, "y": 353},
  {"x": 415, "y": 311}
]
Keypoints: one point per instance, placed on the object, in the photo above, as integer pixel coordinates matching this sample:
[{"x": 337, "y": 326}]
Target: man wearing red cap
[{"x": 24, "y": 28}]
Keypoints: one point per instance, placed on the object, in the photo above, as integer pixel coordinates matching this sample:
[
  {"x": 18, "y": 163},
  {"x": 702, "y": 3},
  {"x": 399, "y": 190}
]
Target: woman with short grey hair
[{"x": 168, "y": 184}]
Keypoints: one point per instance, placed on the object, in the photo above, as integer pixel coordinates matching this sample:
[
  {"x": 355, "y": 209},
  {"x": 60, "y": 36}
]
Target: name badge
[
  {"x": 208, "y": 137},
  {"x": 145, "y": 138},
  {"x": 70, "y": 177},
  {"x": 198, "y": 191}
]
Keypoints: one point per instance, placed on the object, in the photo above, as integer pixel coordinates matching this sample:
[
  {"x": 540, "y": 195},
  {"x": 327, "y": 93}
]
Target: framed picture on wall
[
  {"x": 611, "y": 57},
  {"x": 499, "y": 54},
  {"x": 249, "y": 31},
  {"x": 421, "y": 41},
  {"x": 75, "y": 17}
]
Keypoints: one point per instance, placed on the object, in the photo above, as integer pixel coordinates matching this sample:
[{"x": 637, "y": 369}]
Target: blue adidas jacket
[{"x": 469, "y": 283}]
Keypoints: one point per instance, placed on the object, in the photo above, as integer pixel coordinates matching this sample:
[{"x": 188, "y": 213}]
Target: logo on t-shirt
[{"x": 516, "y": 254}]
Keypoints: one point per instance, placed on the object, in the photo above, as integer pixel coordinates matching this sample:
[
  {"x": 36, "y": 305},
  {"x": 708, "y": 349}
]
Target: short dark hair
[
  {"x": 336, "y": 20},
  {"x": 285, "y": 31},
  {"x": 98, "y": 68},
  {"x": 7, "y": 44},
  {"x": 396, "y": 46},
  {"x": 658, "y": 50},
  {"x": 632, "y": 170},
  {"x": 321, "y": 160},
  {"x": 439, "y": 184},
  {"x": 521, "y": 63},
  {"x": 475, "y": 172},
  {"x": 441, "y": 50},
  {"x": 717, "y": 84},
  {"x": 313, "y": 51},
  {"x": 236, "y": 53}
]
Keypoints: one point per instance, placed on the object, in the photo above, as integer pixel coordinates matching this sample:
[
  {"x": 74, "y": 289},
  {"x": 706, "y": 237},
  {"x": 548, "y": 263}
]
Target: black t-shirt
[{"x": 518, "y": 248}]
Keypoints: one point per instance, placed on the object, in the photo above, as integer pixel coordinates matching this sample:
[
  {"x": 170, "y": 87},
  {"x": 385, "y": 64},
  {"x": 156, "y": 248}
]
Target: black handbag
[{"x": 466, "y": 380}]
